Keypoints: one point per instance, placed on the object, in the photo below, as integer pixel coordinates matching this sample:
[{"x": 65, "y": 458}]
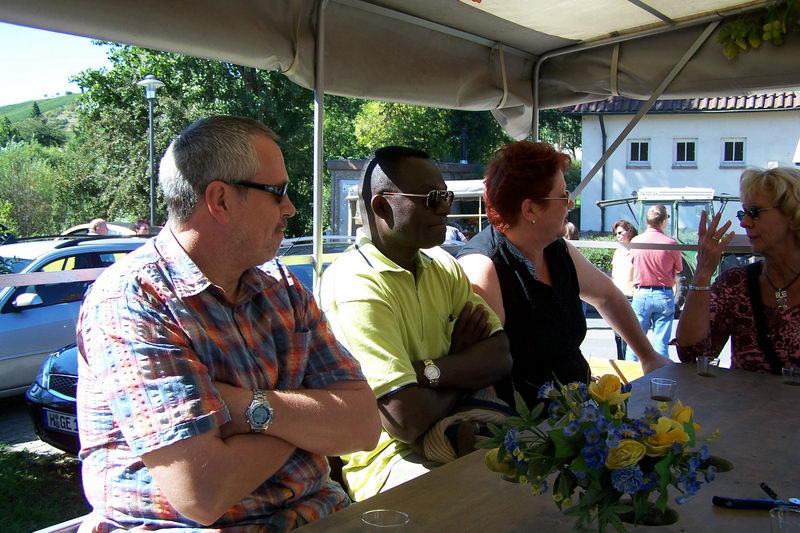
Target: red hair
[{"x": 516, "y": 172}]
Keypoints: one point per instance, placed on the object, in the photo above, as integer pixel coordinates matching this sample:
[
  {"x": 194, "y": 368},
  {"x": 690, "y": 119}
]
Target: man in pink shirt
[{"x": 654, "y": 278}]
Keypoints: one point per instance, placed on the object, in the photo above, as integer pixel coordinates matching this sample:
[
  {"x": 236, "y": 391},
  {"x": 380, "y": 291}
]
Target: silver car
[{"x": 36, "y": 320}]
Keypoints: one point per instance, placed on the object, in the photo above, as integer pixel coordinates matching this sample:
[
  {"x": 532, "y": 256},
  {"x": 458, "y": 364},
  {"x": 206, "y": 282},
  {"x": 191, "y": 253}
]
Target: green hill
[{"x": 22, "y": 110}]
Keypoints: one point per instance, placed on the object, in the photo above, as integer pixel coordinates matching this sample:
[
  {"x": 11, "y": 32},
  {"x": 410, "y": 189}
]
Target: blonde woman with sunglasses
[{"x": 758, "y": 306}]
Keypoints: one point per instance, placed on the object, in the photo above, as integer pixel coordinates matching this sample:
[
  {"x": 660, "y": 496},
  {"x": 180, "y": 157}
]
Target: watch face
[
  {"x": 261, "y": 415},
  {"x": 432, "y": 372}
]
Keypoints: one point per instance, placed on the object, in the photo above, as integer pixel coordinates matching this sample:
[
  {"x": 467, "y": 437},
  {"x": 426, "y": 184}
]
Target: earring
[{"x": 533, "y": 221}]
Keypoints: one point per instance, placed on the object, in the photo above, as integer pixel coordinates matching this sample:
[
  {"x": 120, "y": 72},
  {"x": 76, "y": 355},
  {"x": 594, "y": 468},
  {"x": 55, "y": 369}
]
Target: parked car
[
  {"x": 51, "y": 398},
  {"x": 114, "y": 228},
  {"x": 39, "y": 318}
]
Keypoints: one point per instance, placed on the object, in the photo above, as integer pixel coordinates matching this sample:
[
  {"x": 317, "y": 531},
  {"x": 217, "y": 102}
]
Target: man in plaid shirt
[{"x": 211, "y": 388}]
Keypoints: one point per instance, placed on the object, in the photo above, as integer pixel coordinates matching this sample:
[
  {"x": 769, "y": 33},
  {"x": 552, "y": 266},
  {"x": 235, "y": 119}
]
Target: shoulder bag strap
[{"x": 754, "y": 292}]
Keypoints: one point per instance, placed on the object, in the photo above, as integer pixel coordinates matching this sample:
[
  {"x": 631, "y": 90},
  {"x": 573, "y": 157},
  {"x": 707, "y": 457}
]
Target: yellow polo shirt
[{"x": 389, "y": 320}]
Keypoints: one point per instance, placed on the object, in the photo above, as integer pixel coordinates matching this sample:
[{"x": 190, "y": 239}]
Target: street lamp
[{"x": 150, "y": 84}]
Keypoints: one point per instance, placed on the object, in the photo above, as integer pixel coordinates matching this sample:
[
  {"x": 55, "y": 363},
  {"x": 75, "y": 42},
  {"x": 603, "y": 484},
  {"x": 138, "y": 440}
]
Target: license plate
[{"x": 60, "y": 421}]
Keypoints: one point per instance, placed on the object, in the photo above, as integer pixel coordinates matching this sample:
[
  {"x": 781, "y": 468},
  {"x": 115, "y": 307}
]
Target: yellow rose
[
  {"x": 668, "y": 432},
  {"x": 628, "y": 453},
  {"x": 683, "y": 414},
  {"x": 493, "y": 463},
  {"x": 607, "y": 389}
]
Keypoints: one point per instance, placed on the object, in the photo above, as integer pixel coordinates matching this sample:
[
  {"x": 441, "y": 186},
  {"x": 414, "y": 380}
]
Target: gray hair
[{"x": 214, "y": 148}]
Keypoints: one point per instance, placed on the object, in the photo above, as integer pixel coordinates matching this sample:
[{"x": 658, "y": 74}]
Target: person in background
[
  {"x": 571, "y": 232},
  {"x": 141, "y": 227},
  {"x": 210, "y": 387},
  {"x": 452, "y": 233},
  {"x": 534, "y": 279},
  {"x": 622, "y": 270},
  {"x": 98, "y": 226},
  {"x": 654, "y": 279},
  {"x": 757, "y": 307},
  {"x": 405, "y": 309}
]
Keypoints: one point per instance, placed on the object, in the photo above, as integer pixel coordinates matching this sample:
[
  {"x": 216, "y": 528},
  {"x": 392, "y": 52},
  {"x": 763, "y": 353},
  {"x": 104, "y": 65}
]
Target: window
[
  {"x": 639, "y": 153},
  {"x": 685, "y": 153},
  {"x": 733, "y": 152}
]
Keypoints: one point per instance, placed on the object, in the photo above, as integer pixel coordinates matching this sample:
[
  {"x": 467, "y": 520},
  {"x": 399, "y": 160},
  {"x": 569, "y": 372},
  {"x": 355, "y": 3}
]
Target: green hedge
[{"x": 599, "y": 257}]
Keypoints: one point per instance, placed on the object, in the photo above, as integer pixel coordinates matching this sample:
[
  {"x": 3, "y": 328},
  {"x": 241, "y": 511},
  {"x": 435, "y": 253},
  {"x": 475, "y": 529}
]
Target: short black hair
[{"x": 388, "y": 158}]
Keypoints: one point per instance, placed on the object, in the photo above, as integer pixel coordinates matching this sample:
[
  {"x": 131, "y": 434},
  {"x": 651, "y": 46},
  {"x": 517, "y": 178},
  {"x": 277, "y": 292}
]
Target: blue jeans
[{"x": 655, "y": 309}]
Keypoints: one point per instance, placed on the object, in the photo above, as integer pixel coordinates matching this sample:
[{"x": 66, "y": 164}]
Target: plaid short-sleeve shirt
[{"x": 153, "y": 335}]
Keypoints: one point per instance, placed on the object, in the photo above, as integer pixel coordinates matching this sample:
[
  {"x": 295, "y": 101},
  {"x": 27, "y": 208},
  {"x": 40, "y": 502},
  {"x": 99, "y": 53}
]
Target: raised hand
[
  {"x": 711, "y": 243},
  {"x": 472, "y": 325}
]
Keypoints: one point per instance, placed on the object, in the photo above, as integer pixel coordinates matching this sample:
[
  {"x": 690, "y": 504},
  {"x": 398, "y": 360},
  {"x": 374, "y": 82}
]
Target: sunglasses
[
  {"x": 433, "y": 199},
  {"x": 753, "y": 212},
  {"x": 278, "y": 190}
]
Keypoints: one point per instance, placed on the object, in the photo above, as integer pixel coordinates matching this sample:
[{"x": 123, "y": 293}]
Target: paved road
[{"x": 16, "y": 429}]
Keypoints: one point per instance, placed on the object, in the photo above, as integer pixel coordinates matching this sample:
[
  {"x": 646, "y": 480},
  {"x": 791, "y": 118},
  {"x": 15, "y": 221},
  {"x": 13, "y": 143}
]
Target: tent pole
[
  {"x": 319, "y": 147},
  {"x": 647, "y": 105}
]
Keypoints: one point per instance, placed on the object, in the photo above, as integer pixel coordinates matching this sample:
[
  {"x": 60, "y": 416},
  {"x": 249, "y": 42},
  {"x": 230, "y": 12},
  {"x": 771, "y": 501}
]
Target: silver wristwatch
[
  {"x": 259, "y": 414},
  {"x": 432, "y": 372}
]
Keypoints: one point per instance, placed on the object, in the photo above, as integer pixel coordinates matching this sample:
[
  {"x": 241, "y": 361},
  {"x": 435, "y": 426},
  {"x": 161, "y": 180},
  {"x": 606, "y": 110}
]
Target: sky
[{"x": 36, "y": 64}]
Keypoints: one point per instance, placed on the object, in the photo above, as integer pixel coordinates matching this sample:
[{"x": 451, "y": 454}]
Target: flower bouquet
[{"x": 595, "y": 449}]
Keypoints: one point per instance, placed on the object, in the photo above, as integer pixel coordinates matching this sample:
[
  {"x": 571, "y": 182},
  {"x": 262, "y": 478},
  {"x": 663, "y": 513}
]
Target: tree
[
  {"x": 560, "y": 130},
  {"x": 35, "y": 111},
  {"x": 26, "y": 185},
  {"x": 437, "y": 131},
  {"x": 7, "y": 131}
]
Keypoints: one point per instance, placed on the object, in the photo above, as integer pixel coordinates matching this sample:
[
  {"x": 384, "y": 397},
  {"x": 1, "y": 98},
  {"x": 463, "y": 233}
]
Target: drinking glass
[
  {"x": 384, "y": 520},
  {"x": 662, "y": 389},
  {"x": 784, "y": 519},
  {"x": 704, "y": 365},
  {"x": 791, "y": 375}
]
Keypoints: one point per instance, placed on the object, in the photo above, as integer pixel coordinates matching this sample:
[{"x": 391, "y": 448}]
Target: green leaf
[
  {"x": 565, "y": 446},
  {"x": 487, "y": 444},
  {"x": 662, "y": 469},
  {"x": 520, "y": 405},
  {"x": 536, "y": 412}
]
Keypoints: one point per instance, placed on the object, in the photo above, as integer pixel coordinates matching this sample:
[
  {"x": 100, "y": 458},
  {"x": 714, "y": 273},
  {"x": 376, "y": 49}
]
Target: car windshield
[{"x": 13, "y": 265}]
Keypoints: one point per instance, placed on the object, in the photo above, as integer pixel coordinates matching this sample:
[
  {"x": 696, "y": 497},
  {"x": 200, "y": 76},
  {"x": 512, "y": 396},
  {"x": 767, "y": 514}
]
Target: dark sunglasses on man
[
  {"x": 433, "y": 199},
  {"x": 278, "y": 190},
  {"x": 753, "y": 212}
]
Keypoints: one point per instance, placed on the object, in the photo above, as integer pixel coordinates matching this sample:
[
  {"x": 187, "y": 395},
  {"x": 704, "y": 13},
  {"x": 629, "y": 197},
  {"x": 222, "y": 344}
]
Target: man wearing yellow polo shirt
[{"x": 406, "y": 311}]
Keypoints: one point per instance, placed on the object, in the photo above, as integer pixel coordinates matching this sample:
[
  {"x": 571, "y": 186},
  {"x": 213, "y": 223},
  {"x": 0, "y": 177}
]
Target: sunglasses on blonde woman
[{"x": 753, "y": 212}]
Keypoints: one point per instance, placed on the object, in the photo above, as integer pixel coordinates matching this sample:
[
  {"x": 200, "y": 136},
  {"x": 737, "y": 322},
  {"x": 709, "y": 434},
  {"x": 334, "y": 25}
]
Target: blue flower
[
  {"x": 572, "y": 428},
  {"x": 643, "y": 427},
  {"x": 676, "y": 448},
  {"x": 543, "y": 486},
  {"x": 626, "y": 387},
  {"x": 580, "y": 475},
  {"x": 627, "y": 432},
  {"x": 583, "y": 392},
  {"x": 592, "y": 435},
  {"x": 627, "y": 480},
  {"x": 612, "y": 441},
  {"x": 602, "y": 424},
  {"x": 680, "y": 500},
  {"x": 590, "y": 413},
  {"x": 595, "y": 455},
  {"x": 556, "y": 410},
  {"x": 652, "y": 412},
  {"x": 694, "y": 464},
  {"x": 547, "y": 390},
  {"x": 703, "y": 453},
  {"x": 710, "y": 474},
  {"x": 511, "y": 441}
]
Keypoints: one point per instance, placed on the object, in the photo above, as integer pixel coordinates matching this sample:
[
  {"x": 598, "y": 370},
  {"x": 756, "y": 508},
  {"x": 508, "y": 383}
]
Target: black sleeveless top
[{"x": 545, "y": 324}]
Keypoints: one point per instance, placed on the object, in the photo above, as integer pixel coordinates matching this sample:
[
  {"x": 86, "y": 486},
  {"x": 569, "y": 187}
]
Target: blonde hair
[
  {"x": 656, "y": 216},
  {"x": 781, "y": 185}
]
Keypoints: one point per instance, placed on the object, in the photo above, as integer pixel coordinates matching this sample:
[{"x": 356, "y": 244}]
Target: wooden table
[{"x": 758, "y": 416}]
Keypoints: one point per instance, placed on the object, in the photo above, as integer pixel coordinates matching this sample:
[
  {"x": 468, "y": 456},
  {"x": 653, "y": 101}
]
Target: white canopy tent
[{"x": 507, "y": 56}]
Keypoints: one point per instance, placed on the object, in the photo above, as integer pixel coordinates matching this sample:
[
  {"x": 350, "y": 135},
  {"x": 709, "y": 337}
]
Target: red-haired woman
[{"x": 534, "y": 279}]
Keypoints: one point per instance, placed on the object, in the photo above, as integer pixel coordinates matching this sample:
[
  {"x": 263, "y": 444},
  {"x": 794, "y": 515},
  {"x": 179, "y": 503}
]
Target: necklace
[{"x": 781, "y": 298}]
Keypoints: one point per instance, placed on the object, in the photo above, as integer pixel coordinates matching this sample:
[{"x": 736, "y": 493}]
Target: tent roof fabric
[
  {"x": 467, "y": 54},
  {"x": 754, "y": 102}
]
